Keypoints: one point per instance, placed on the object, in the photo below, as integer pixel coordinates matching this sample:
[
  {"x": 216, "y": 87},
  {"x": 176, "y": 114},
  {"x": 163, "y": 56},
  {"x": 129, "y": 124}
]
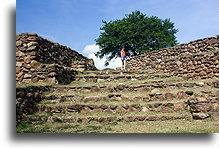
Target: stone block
[
  {"x": 121, "y": 111},
  {"x": 169, "y": 96},
  {"x": 216, "y": 84},
  {"x": 19, "y": 43},
  {"x": 70, "y": 119},
  {"x": 205, "y": 107},
  {"x": 190, "y": 93},
  {"x": 198, "y": 100},
  {"x": 151, "y": 118},
  {"x": 85, "y": 110},
  {"x": 109, "y": 111},
  {"x": 188, "y": 84},
  {"x": 181, "y": 95},
  {"x": 179, "y": 106},
  {"x": 18, "y": 70},
  {"x": 200, "y": 115},
  {"x": 97, "y": 110}
]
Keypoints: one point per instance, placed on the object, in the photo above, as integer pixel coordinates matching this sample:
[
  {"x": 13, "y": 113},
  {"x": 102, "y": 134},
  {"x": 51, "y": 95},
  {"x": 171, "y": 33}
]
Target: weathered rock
[
  {"x": 109, "y": 111},
  {"x": 156, "y": 105},
  {"x": 70, "y": 119},
  {"x": 84, "y": 120},
  {"x": 102, "y": 119},
  {"x": 121, "y": 111},
  {"x": 200, "y": 107},
  {"x": 103, "y": 106},
  {"x": 190, "y": 93},
  {"x": 179, "y": 106},
  {"x": 197, "y": 100},
  {"x": 85, "y": 110},
  {"x": 140, "y": 118},
  {"x": 19, "y": 43},
  {"x": 216, "y": 84},
  {"x": 19, "y": 64},
  {"x": 120, "y": 87},
  {"x": 98, "y": 110},
  {"x": 33, "y": 51},
  {"x": 113, "y": 106},
  {"x": 181, "y": 95},
  {"x": 169, "y": 96},
  {"x": 155, "y": 90},
  {"x": 125, "y": 106},
  {"x": 92, "y": 106},
  {"x": 26, "y": 76},
  {"x": 32, "y": 44},
  {"x": 116, "y": 98},
  {"x": 52, "y": 74},
  {"x": 188, "y": 84},
  {"x": 145, "y": 109},
  {"x": 189, "y": 60},
  {"x": 100, "y": 80},
  {"x": 129, "y": 119},
  {"x": 76, "y": 107},
  {"x": 200, "y": 115},
  {"x": 90, "y": 79},
  {"x": 151, "y": 118}
]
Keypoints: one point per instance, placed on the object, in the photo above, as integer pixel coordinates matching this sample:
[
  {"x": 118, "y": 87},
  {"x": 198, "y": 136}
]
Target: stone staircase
[
  {"x": 130, "y": 96},
  {"x": 174, "y": 89}
]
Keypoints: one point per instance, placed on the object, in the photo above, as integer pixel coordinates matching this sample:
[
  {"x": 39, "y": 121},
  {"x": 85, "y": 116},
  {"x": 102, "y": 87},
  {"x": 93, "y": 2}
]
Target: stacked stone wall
[
  {"x": 193, "y": 60},
  {"x": 202, "y": 108},
  {"x": 27, "y": 98},
  {"x": 40, "y": 60}
]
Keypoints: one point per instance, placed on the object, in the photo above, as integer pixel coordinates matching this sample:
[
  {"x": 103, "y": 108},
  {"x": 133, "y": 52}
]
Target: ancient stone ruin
[
  {"x": 194, "y": 60},
  {"x": 177, "y": 83},
  {"x": 40, "y": 60}
]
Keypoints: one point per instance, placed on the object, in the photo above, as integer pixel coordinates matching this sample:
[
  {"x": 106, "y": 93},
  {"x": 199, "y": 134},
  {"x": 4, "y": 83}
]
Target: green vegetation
[
  {"x": 138, "y": 33},
  {"x": 173, "y": 126}
]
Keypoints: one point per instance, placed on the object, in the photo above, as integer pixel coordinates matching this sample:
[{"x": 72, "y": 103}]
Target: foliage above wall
[{"x": 138, "y": 33}]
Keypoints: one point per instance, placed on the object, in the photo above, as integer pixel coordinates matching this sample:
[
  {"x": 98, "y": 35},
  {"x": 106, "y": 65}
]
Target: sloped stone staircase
[{"x": 131, "y": 96}]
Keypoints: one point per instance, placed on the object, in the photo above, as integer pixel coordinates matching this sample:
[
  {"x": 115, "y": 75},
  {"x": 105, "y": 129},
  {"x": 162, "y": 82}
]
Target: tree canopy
[{"x": 137, "y": 32}]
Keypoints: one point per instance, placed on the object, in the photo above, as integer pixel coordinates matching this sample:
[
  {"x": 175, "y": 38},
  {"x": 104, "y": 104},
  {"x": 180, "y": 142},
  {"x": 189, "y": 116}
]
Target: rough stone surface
[
  {"x": 194, "y": 60},
  {"x": 40, "y": 60},
  {"x": 202, "y": 107},
  {"x": 155, "y": 99},
  {"x": 200, "y": 115},
  {"x": 27, "y": 98}
]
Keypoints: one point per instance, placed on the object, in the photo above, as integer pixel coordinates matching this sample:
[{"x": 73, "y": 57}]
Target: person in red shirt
[{"x": 123, "y": 58}]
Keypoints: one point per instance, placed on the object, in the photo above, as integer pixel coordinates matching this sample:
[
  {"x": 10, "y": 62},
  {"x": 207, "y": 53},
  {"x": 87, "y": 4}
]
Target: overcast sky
[{"x": 76, "y": 23}]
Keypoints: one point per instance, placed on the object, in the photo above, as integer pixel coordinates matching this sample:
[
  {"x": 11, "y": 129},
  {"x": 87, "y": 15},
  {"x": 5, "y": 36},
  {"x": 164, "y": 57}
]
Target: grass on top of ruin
[
  {"x": 125, "y": 114},
  {"x": 171, "y": 80},
  {"x": 169, "y": 126},
  {"x": 87, "y": 84},
  {"x": 196, "y": 92}
]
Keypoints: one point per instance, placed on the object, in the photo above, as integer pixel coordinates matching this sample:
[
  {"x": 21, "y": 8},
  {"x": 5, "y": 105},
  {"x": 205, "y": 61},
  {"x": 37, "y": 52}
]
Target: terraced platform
[{"x": 109, "y": 99}]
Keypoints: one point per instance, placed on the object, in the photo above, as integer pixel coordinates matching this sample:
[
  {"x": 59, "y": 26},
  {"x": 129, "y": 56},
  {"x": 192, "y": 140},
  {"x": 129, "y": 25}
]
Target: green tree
[{"x": 137, "y": 32}]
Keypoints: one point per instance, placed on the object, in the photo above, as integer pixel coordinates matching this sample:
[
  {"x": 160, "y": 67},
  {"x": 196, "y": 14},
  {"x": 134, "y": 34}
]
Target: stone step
[
  {"x": 112, "y": 108},
  {"x": 144, "y": 86},
  {"x": 128, "y": 97},
  {"x": 117, "y": 72},
  {"x": 124, "y": 107},
  {"x": 117, "y": 97},
  {"x": 105, "y": 78},
  {"x": 127, "y": 118}
]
